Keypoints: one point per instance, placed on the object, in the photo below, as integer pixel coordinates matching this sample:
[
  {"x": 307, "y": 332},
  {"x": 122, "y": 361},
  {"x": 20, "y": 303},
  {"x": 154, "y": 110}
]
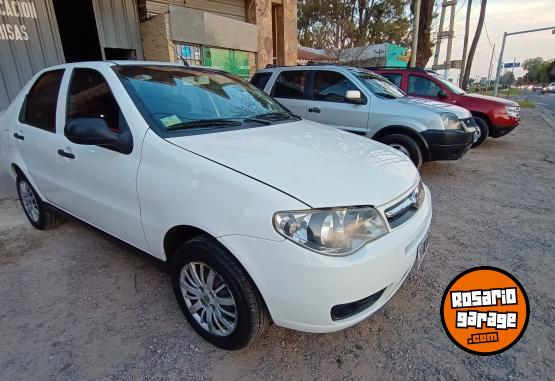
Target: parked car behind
[
  {"x": 494, "y": 116},
  {"x": 259, "y": 215},
  {"x": 551, "y": 87},
  {"x": 364, "y": 103}
]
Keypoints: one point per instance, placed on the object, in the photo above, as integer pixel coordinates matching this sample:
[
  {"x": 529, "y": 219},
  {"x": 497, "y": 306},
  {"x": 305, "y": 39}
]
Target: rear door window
[
  {"x": 260, "y": 80},
  {"x": 422, "y": 86},
  {"x": 393, "y": 78},
  {"x": 40, "y": 106},
  {"x": 290, "y": 84}
]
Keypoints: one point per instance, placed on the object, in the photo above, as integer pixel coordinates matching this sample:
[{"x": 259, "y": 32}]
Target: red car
[{"x": 495, "y": 117}]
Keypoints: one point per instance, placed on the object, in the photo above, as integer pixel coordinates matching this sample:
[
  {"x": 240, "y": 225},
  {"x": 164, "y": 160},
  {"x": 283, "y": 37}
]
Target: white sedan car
[{"x": 259, "y": 215}]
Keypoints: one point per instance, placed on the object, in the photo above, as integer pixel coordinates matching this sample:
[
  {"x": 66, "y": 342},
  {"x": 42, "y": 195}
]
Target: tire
[
  {"x": 251, "y": 316},
  {"x": 35, "y": 211},
  {"x": 406, "y": 145},
  {"x": 483, "y": 130}
]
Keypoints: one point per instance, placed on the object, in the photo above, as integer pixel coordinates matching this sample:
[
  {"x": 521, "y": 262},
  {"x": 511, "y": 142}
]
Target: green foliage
[
  {"x": 336, "y": 24},
  {"x": 539, "y": 70}
]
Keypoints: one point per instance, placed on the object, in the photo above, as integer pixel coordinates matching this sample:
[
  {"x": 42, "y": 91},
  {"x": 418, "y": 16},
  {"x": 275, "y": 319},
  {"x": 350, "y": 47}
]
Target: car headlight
[
  {"x": 451, "y": 122},
  {"x": 513, "y": 111},
  {"x": 334, "y": 231}
]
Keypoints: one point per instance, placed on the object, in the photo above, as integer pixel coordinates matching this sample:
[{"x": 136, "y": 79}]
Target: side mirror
[
  {"x": 442, "y": 94},
  {"x": 95, "y": 131},
  {"x": 354, "y": 96}
]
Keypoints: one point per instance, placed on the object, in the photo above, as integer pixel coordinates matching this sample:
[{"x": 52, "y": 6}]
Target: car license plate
[{"x": 422, "y": 249}]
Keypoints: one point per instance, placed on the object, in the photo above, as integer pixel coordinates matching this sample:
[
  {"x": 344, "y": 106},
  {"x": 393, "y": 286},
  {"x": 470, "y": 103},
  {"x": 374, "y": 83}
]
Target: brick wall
[{"x": 155, "y": 36}]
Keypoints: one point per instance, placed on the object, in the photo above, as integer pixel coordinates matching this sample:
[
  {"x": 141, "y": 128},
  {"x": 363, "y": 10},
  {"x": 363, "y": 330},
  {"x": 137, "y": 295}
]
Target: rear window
[
  {"x": 260, "y": 80},
  {"x": 290, "y": 84}
]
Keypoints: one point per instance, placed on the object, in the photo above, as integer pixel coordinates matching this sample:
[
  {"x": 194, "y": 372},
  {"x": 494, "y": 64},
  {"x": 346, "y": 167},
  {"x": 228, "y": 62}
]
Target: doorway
[
  {"x": 278, "y": 34},
  {"x": 77, "y": 27}
]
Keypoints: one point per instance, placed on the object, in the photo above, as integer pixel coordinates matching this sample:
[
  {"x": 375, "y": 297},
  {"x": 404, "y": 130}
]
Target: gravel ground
[{"x": 78, "y": 305}]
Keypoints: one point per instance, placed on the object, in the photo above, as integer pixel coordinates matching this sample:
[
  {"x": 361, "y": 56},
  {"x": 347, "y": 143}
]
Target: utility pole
[
  {"x": 500, "y": 62},
  {"x": 465, "y": 46},
  {"x": 450, "y": 39},
  {"x": 416, "y": 24},
  {"x": 445, "y": 34},
  {"x": 438, "y": 39},
  {"x": 490, "y": 67},
  {"x": 512, "y": 77}
]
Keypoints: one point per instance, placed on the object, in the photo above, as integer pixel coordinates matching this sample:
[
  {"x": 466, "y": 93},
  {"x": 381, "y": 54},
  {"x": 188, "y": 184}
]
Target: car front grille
[
  {"x": 401, "y": 212},
  {"x": 469, "y": 122}
]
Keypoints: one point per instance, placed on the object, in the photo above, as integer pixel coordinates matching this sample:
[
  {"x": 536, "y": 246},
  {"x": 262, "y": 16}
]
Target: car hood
[
  {"x": 319, "y": 165},
  {"x": 436, "y": 106},
  {"x": 496, "y": 100}
]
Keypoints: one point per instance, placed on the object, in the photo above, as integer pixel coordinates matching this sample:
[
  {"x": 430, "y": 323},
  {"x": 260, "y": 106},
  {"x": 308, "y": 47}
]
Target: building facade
[
  {"x": 233, "y": 35},
  {"x": 35, "y": 34}
]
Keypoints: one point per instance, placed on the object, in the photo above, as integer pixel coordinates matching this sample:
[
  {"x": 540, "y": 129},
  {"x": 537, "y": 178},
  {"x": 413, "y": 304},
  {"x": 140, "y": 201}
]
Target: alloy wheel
[
  {"x": 29, "y": 201},
  {"x": 208, "y": 298},
  {"x": 401, "y": 148}
]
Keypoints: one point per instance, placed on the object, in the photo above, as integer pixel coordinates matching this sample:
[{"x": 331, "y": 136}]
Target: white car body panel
[
  {"x": 229, "y": 185},
  {"x": 302, "y": 154}
]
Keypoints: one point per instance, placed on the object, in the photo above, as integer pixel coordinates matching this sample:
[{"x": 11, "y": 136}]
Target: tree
[
  {"x": 539, "y": 70},
  {"x": 507, "y": 78},
  {"x": 425, "y": 42},
  {"x": 334, "y": 25},
  {"x": 468, "y": 65}
]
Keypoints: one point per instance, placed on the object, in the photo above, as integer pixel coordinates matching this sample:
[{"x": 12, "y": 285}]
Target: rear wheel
[
  {"x": 482, "y": 131},
  {"x": 34, "y": 208},
  {"x": 216, "y": 295},
  {"x": 405, "y": 144}
]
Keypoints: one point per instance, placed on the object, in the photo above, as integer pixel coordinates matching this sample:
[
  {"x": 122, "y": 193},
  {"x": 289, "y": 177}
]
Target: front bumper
[
  {"x": 448, "y": 144},
  {"x": 498, "y": 131},
  {"x": 300, "y": 287}
]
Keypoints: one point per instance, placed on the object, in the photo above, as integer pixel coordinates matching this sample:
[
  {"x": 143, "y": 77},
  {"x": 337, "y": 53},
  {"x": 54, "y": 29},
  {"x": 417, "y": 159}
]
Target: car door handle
[
  {"x": 63, "y": 153},
  {"x": 17, "y": 136},
  {"x": 314, "y": 109}
]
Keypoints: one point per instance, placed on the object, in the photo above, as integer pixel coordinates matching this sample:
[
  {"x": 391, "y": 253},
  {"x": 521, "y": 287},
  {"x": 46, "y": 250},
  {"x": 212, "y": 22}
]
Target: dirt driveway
[{"x": 76, "y": 305}]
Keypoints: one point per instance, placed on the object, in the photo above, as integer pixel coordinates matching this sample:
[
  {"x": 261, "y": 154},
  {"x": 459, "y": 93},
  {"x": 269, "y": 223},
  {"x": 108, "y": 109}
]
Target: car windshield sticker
[{"x": 170, "y": 120}]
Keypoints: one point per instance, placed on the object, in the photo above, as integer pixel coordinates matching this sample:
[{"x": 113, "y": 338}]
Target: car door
[
  {"x": 329, "y": 105},
  {"x": 100, "y": 182},
  {"x": 422, "y": 87},
  {"x": 35, "y": 134},
  {"x": 290, "y": 90}
]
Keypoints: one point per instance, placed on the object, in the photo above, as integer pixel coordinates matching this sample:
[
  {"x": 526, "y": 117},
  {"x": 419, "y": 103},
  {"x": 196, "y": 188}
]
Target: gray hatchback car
[{"x": 367, "y": 104}]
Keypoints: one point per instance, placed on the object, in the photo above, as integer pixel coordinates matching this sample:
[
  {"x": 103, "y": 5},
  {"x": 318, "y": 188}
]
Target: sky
[{"x": 503, "y": 16}]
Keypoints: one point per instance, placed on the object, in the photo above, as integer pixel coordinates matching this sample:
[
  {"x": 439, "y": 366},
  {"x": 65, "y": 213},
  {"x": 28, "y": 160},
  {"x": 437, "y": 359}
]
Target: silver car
[{"x": 367, "y": 104}]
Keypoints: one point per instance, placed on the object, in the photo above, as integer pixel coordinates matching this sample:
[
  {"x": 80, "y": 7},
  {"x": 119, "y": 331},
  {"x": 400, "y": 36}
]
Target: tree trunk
[
  {"x": 465, "y": 43},
  {"x": 468, "y": 66},
  {"x": 424, "y": 49}
]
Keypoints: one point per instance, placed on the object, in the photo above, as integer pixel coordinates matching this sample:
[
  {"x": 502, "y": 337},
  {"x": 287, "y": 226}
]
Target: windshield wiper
[
  {"x": 203, "y": 123},
  {"x": 276, "y": 116}
]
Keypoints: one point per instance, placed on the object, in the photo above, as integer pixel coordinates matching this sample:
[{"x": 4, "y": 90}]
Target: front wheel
[
  {"x": 482, "y": 131},
  {"x": 216, "y": 295},
  {"x": 406, "y": 145}
]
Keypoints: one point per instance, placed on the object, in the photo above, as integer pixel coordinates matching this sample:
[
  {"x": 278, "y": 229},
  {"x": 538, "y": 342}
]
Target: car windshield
[
  {"x": 183, "y": 98},
  {"x": 377, "y": 84},
  {"x": 454, "y": 88}
]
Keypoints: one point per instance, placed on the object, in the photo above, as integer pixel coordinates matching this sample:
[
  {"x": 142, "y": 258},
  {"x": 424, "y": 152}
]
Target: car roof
[{"x": 304, "y": 67}]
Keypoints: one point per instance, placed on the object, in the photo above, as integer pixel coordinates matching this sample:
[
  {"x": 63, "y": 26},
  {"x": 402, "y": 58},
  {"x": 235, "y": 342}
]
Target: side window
[
  {"x": 331, "y": 86},
  {"x": 290, "y": 84},
  {"x": 260, "y": 80},
  {"x": 393, "y": 78},
  {"x": 422, "y": 86},
  {"x": 40, "y": 106},
  {"x": 90, "y": 97}
]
